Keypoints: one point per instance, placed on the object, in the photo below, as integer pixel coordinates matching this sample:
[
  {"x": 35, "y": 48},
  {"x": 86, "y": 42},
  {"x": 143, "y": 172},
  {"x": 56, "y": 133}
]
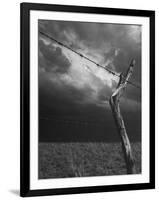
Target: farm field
[{"x": 61, "y": 160}]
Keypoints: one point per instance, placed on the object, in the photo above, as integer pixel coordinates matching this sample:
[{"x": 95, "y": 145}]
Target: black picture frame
[{"x": 25, "y": 9}]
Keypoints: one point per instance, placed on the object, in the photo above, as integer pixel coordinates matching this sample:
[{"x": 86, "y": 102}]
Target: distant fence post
[{"x": 114, "y": 103}]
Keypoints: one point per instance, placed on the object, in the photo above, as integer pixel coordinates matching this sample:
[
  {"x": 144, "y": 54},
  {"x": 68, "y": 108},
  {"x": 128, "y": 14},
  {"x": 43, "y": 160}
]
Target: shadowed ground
[{"x": 60, "y": 160}]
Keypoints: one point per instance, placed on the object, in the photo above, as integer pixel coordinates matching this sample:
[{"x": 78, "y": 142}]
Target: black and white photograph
[
  {"x": 89, "y": 99},
  {"x": 87, "y": 87}
]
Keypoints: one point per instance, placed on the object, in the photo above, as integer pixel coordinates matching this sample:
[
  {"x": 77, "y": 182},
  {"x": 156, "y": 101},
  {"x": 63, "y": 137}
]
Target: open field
[{"x": 59, "y": 160}]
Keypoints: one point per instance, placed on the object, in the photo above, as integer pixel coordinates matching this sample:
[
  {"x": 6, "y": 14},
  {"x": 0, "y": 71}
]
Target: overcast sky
[{"x": 71, "y": 87}]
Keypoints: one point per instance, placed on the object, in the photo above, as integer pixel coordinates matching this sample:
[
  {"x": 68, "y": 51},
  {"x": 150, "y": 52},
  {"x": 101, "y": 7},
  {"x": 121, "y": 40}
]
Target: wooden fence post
[{"x": 114, "y": 103}]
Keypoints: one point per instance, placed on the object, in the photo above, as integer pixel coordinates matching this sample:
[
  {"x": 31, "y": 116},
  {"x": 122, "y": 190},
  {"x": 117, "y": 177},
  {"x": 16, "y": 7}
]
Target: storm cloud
[
  {"x": 71, "y": 87},
  {"x": 52, "y": 58}
]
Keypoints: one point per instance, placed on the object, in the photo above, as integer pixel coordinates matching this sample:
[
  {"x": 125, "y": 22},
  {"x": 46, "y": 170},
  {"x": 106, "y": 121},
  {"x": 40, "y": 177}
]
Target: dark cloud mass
[
  {"x": 53, "y": 58},
  {"x": 68, "y": 89}
]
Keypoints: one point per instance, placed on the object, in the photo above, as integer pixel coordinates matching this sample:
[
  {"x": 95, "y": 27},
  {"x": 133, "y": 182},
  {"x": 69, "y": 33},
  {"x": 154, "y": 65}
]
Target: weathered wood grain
[{"x": 115, "y": 106}]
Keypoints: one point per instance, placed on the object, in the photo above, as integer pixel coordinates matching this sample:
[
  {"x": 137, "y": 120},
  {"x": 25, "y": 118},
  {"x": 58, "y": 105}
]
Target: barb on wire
[{"x": 85, "y": 57}]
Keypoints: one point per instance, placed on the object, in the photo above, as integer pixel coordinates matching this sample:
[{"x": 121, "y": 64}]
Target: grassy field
[{"x": 59, "y": 160}]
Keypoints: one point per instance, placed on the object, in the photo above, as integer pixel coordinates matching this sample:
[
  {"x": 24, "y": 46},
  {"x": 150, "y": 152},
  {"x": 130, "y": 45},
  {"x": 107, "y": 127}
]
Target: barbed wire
[
  {"x": 90, "y": 60},
  {"x": 72, "y": 121}
]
